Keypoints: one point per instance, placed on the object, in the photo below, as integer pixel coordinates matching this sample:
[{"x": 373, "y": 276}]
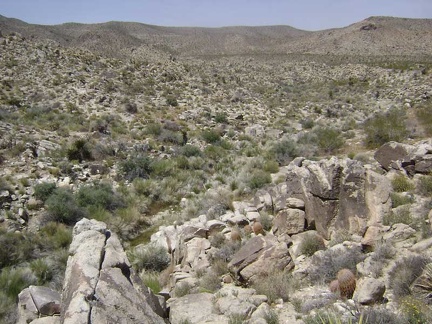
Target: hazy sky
[{"x": 303, "y": 14}]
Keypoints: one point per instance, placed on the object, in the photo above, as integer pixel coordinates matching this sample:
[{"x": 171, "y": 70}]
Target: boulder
[
  {"x": 370, "y": 291},
  {"x": 260, "y": 256},
  {"x": 289, "y": 221},
  {"x": 36, "y": 301},
  {"x": 100, "y": 286},
  {"x": 194, "y": 308},
  {"x": 393, "y": 155}
]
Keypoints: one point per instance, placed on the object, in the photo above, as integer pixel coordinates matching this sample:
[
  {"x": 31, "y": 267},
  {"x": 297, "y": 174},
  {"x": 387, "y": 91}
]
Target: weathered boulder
[
  {"x": 37, "y": 301},
  {"x": 100, "y": 285},
  {"x": 194, "y": 308},
  {"x": 289, "y": 221},
  {"x": 394, "y": 155},
  {"x": 260, "y": 256},
  {"x": 370, "y": 291}
]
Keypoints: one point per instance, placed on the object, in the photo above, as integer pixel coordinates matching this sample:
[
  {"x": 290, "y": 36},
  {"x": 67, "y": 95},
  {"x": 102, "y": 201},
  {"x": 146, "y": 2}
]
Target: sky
[{"x": 302, "y": 14}]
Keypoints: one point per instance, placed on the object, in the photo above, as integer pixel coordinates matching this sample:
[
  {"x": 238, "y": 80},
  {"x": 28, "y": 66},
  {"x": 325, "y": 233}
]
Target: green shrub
[
  {"x": 401, "y": 215},
  {"x": 190, "y": 150},
  {"x": 221, "y": 118},
  {"x": 271, "y": 317},
  {"x": 57, "y": 235},
  {"x": 43, "y": 190},
  {"x": 399, "y": 200},
  {"x": 237, "y": 318},
  {"x": 171, "y": 101},
  {"x": 424, "y": 115},
  {"x": 16, "y": 248},
  {"x": 14, "y": 280},
  {"x": 150, "y": 257},
  {"x": 154, "y": 129},
  {"x": 277, "y": 284},
  {"x": 284, "y": 151},
  {"x": 136, "y": 167},
  {"x": 63, "y": 207},
  {"x": 79, "y": 151},
  {"x": 210, "y": 282},
  {"x": 259, "y": 179},
  {"x": 310, "y": 244},
  {"x": 42, "y": 270},
  {"x": 328, "y": 139},
  {"x": 151, "y": 280},
  {"x": 415, "y": 311},
  {"x": 401, "y": 183},
  {"x": 99, "y": 195},
  {"x": 271, "y": 166},
  {"x": 182, "y": 289},
  {"x": 211, "y": 136},
  {"x": 425, "y": 185},
  {"x": 384, "y": 127}
]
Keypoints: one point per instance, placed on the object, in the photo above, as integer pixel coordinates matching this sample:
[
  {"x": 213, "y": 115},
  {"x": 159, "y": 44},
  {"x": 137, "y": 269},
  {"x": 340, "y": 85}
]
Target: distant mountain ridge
[{"x": 373, "y": 36}]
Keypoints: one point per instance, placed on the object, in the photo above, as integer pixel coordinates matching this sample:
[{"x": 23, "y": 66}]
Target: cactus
[
  {"x": 347, "y": 283},
  {"x": 247, "y": 229},
  {"x": 235, "y": 234},
  {"x": 334, "y": 286},
  {"x": 257, "y": 228}
]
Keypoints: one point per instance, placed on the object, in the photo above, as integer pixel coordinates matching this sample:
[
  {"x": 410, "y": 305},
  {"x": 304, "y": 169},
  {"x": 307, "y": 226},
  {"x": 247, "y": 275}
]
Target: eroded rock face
[
  {"x": 100, "y": 285},
  {"x": 339, "y": 194}
]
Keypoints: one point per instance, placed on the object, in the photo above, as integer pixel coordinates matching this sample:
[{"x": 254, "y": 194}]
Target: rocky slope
[{"x": 230, "y": 172}]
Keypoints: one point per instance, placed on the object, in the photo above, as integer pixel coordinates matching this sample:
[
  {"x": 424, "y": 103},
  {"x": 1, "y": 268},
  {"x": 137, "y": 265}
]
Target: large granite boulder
[
  {"x": 100, "y": 285},
  {"x": 260, "y": 256},
  {"x": 35, "y": 301}
]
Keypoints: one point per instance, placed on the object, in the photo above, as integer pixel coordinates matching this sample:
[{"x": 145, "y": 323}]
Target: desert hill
[{"x": 377, "y": 36}]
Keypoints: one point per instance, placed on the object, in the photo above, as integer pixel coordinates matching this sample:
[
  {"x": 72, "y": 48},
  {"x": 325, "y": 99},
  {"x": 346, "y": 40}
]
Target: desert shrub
[
  {"x": 383, "y": 251},
  {"x": 151, "y": 280},
  {"x": 182, "y": 289},
  {"x": 307, "y": 123},
  {"x": 266, "y": 221},
  {"x": 399, "y": 215},
  {"x": 171, "y": 101},
  {"x": 399, "y": 200},
  {"x": 404, "y": 272},
  {"x": 16, "y": 248},
  {"x": 63, "y": 207},
  {"x": 425, "y": 185},
  {"x": 384, "y": 127},
  {"x": 328, "y": 139},
  {"x": 259, "y": 179},
  {"x": 284, "y": 151},
  {"x": 211, "y": 136},
  {"x": 221, "y": 118},
  {"x": 226, "y": 251},
  {"x": 210, "y": 282},
  {"x": 217, "y": 240},
  {"x": 13, "y": 280},
  {"x": 190, "y": 150},
  {"x": 271, "y": 317},
  {"x": 171, "y": 137},
  {"x": 131, "y": 107},
  {"x": 237, "y": 318},
  {"x": 310, "y": 244},
  {"x": 43, "y": 190},
  {"x": 415, "y": 311},
  {"x": 150, "y": 257},
  {"x": 154, "y": 129},
  {"x": 79, "y": 151},
  {"x": 56, "y": 235},
  {"x": 42, "y": 271},
  {"x": 271, "y": 166},
  {"x": 378, "y": 315},
  {"x": 163, "y": 168},
  {"x": 400, "y": 183},
  {"x": 136, "y": 167},
  {"x": 277, "y": 284},
  {"x": 424, "y": 115},
  {"x": 99, "y": 195},
  {"x": 326, "y": 264}
]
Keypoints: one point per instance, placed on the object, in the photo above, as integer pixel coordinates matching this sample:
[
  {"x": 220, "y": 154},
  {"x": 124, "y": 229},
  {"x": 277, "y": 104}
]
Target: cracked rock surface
[{"x": 100, "y": 286}]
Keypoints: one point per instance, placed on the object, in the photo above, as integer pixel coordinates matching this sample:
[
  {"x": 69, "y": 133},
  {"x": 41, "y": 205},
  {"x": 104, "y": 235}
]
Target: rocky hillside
[
  {"x": 375, "y": 36},
  {"x": 210, "y": 180}
]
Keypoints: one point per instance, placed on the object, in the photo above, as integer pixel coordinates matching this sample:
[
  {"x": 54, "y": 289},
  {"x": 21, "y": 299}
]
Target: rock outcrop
[{"x": 100, "y": 285}]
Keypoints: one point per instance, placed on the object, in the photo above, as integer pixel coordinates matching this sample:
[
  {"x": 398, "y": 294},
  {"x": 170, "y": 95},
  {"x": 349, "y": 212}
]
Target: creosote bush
[
  {"x": 136, "y": 167},
  {"x": 79, "y": 151},
  {"x": 310, "y": 244},
  {"x": 401, "y": 183},
  {"x": 63, "y": 207},
  {"x": 42, "y": 191}
]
